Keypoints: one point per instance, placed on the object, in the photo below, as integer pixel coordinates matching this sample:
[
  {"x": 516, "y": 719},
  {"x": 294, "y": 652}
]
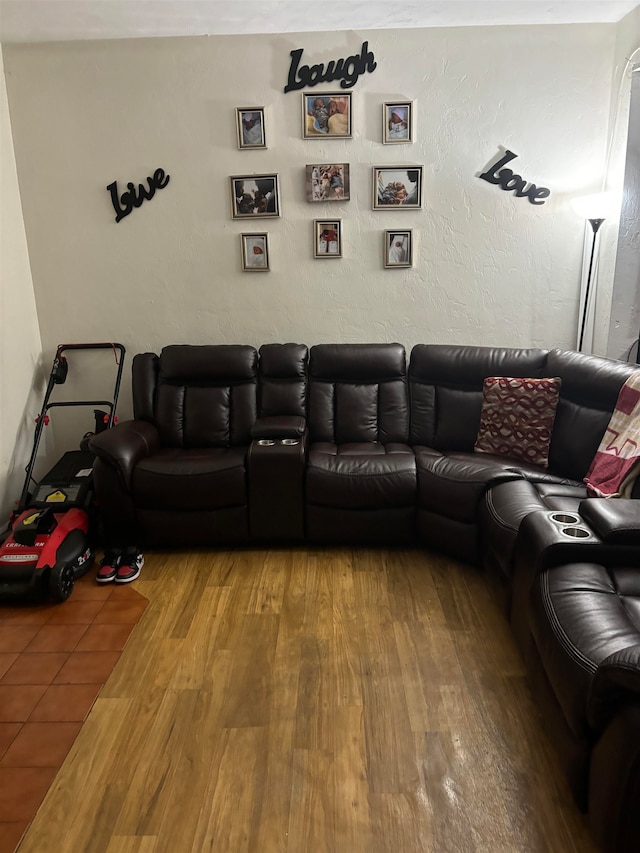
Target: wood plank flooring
[{"x": 312, "y": 701}]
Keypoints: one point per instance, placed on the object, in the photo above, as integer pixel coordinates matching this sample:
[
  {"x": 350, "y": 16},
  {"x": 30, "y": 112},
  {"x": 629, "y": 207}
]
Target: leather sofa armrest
[
  {"x": 615, "y": 520},
  {"x": 124, "y": 445},
  {"x": 279, "y": 426},
  {"x": 616, "y": 680}
]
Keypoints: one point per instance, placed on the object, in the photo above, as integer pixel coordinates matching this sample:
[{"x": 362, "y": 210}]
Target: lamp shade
[{"x": 596, "y": 205}]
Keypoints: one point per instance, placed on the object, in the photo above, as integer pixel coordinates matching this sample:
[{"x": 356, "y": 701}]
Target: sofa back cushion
[
  {"x": 358, "y": 393},
  {"x": 445, "y": 386},
  {"x": 590, "y": 388},
  {"x": 282, "y": 373},
  {"x": 205, "y": 396}
]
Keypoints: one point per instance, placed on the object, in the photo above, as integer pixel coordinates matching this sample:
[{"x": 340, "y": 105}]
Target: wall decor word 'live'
[
  {"x": 508, "y": 181},
  {"x": 346, "y": 70},
  {"x": 129, "y": 199}
]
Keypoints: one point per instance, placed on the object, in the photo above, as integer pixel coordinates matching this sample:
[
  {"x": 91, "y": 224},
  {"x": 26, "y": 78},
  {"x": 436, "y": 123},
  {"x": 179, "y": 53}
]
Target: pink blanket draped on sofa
[{"x": 617, "y": 463}]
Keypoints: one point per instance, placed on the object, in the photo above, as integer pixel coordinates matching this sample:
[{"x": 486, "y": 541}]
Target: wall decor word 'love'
[
  {"x": 124, "y": 204},
  {"x": 508, "y": 181},
  {"x": 346, "y": 70}
]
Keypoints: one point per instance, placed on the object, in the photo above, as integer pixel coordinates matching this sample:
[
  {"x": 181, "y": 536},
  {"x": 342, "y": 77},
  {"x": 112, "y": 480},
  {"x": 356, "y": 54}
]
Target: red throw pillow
[{"x": 517, "y": 417}]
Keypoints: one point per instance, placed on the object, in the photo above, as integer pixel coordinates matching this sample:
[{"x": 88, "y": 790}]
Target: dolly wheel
[{"x": 61, "y": 582}]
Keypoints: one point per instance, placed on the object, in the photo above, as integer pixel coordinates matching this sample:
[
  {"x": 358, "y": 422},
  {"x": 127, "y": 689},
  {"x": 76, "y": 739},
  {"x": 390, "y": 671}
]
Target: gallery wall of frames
[{"x": 327, "y": 116}]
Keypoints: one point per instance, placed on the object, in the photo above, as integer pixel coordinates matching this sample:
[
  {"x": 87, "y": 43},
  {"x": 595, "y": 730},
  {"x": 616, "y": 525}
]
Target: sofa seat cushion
[
  {"x": 206, "y": 478},
  {"x": 366, "y": 475},
  {"x": 452, "y": 484},
  {"x": 581, "y": 614}
]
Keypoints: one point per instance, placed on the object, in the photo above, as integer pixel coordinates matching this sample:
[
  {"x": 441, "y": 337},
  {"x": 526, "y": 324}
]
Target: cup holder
[
  {"x": 289, "y": 442},
  {"x": 266, "y": 442},
  {"x": 576, "y": 532},
  {"x": 565, "y": 518}
]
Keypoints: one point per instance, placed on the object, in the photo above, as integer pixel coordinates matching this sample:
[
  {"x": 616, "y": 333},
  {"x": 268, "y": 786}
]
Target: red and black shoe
[
  {"x": 109, "y": 565},
  {"x": 130, "y": 566}
]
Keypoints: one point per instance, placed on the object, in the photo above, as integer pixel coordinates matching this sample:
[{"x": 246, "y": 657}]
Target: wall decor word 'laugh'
[
  {"x": 124, "y": 204},
  {"x": 508, "y": 181},
  {"x": 346, "y": 70}
]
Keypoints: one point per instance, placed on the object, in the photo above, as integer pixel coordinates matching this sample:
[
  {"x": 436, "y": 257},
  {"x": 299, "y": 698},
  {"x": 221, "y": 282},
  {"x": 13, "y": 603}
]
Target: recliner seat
[
  {"x": 585, "y": 620},
  {"x": 178, "y": 471},
  {"x": 360, "y": 471}
]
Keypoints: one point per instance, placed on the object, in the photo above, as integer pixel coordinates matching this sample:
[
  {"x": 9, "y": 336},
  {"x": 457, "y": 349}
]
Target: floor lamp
[
  {"x": 595, "y": 209},
  {"x": 595, "y": 225}
]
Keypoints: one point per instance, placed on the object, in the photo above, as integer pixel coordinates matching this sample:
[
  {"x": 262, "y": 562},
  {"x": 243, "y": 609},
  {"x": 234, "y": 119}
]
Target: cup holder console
[
  {"x": 570, "y": 525},
  {"x": 276, "y": 487}
]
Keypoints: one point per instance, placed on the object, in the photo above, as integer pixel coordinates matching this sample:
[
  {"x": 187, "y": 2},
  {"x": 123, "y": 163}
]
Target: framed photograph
[
  {"x": 327, "y": 238},
  {"x": 397, "y": 186},
  {"x": 250, "y": 122},
  {"x": 328, "y": 182},
  {"x": 255, "y": 252},
  {"x": 398, "y": 249},
  {"x": 397, "y": 122},
  {"x": 326, "y": 115},
  {"x": 254, "y": 195}
]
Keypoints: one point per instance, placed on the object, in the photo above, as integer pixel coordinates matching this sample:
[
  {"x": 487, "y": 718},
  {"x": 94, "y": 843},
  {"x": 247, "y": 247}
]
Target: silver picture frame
[
  {"x": 255, "y": 252},
  {"x": 398, "y": 248},
  {"x": 254, "y": 196},
  {"x": 397, "y": 122},
  {"x": 250, "y": 127},
  {"x": 397, "y": 187},
  {"x": 327, "y": 238},
  {"x": 326, "y": 115}
]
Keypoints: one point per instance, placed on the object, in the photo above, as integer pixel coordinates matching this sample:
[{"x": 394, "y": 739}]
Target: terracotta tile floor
[{"x": 54, "y": 659}]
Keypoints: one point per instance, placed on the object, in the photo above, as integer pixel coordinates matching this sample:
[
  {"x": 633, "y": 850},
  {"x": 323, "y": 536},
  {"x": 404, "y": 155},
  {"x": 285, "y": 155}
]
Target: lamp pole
[{"x": 595, "y": 225}]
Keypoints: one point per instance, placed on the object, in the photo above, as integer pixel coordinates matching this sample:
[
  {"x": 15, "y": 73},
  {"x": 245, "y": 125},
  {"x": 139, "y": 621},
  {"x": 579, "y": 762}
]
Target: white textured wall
[
  {"x": 625, "y": 302},
  {"x": 490, "y": 268},
  {"x": 625, "y": 308},
  {"x": 19, "y": 335}
]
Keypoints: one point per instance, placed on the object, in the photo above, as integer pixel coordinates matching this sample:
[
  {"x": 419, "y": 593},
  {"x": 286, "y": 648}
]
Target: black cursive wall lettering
[
  {"x": 506, "y": 179},
  {"x": 346, "y": 70},
  {"x": 124, "y": 204}
]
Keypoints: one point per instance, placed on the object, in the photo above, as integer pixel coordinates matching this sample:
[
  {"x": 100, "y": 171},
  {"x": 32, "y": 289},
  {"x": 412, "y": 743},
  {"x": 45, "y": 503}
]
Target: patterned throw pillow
[{"x": 517, "y": 417}]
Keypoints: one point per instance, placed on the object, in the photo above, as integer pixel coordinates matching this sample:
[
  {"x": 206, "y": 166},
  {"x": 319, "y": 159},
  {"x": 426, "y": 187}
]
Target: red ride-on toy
[{"x": 51, "y": 534}]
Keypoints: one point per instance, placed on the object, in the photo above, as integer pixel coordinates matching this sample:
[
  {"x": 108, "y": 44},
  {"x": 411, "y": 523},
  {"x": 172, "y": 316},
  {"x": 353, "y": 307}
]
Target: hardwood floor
[{"x": 346, "y": 700}]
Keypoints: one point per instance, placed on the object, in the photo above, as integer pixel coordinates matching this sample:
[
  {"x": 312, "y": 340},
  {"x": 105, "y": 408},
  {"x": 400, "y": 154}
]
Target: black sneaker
[
  {"x": 109, "y": 565},
  {"x": 130, "y": 565}
]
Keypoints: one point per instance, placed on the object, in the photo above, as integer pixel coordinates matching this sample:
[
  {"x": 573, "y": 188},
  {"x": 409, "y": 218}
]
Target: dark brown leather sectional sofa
[{"x": 353, "y": 443}]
